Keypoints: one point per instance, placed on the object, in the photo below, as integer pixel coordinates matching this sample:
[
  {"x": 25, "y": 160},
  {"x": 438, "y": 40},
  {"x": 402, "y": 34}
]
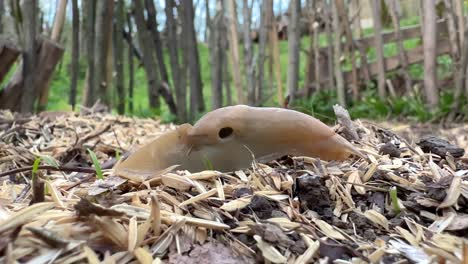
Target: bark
[
  {"x": 119, "y": 55},
  {"x": 75, "y": 52},
  {"x": 346, "y": 26},
  {"x": 264, "y": 26},
  {"x": 362, "y": 51},
  {"x": 130, "y": 63},
  {"x": 29, "y": 57},
  {"x": 90, "y": 91},
  {"x": 83, "y": 28},
  {"x": 391, "y": 5},
  {"x": 248, "y": 53},
  {"x": 103, "y": 28},
  {"x": 340, "y": 88},
  {"x": 452, "y": 27},
  {"x": 273, "y": 35},
  {"x": 149, "y": 60},
  {"x": 227, "y": 79},
  {"x": 217, "y": 30},
  {"x": 460, "y": 77},
  {"x": 430, "y": 47},
  {"x": 178, "y": 76},
  {"x": 208, "y": 19},
  {"x": 2, "y": 9},
  {"x": 49, "y": 54},
  {"x": 9, "y": 53},
  {"x": 55, "y": 36},
  {"x": 461, "y": 20},
  {"x": 153, "y": 27},
  {"x": 328, "y": 28},
  {"x": 376, "y": 10},
  {"x": 59, "y": 20},
  {"x": 192, "y": 58},
  {"x": 293, "y": 49},
  {"x": 234, "y": 51},
  {"x": 136, "y": 52}
]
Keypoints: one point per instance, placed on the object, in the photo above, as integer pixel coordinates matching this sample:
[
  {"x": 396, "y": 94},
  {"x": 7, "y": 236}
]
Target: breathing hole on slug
[{"x": 225, "y": 132}]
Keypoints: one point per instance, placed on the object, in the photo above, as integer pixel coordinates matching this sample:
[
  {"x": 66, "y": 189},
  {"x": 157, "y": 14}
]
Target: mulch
[{"x": 408, "y": 202}]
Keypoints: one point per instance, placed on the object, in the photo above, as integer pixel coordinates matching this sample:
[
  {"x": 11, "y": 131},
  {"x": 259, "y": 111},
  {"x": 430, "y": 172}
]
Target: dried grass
[{"x": 309, "y": 210}]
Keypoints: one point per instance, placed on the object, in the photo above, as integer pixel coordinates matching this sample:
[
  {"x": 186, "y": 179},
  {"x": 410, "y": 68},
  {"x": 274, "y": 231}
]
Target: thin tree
[
  {"x": 55, "y": 36},
  {"x": 149, "y": 60},
  {"x": 430, "y": 51},
  {"x": 293, "y": 48},
  {"x": 191, "y": 57},
  {"x": 249, "y": 68},
  {"x": 263, "y": 37},
  {"x": 234, "y": 51},
  {"x": 340, "y": 86},
  {"x": 274, "y": 51},
  {"x": 103, "y": 28},
  {"x": 130, "y": 63},
  {"x": 376, "y": 11},
  {"x": 119, "y": 55},
  {"x": 153, "y": 27},
  {"x": 178, "y": 78},
  {"x": 75, "y": 52},
  {"x": 89, "y": 90},
  {"x": 217, "y": 30},
  {"x": 29, "y": 57}
]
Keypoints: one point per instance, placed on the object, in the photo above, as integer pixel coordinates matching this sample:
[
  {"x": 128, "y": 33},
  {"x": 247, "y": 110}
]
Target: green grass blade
[{"x": 97, "y": 166}]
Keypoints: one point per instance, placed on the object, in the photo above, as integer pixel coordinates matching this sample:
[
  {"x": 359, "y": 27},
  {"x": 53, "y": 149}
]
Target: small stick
[{"x": 52, "y": 168}]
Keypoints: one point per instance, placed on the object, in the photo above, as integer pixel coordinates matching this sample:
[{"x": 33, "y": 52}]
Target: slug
[{"x": 229, "y": 138}]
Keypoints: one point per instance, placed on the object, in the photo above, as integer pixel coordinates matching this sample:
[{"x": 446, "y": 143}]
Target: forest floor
[{"x": 402, "y": 204}]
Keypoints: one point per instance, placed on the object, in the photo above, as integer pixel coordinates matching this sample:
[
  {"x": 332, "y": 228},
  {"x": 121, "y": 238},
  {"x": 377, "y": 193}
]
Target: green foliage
[
  {"x": 371, "y": 106},
  {"x": 35, "y": 167},
  {"x": 394, "y": 198},
  {"x": 96, "y": 164}
]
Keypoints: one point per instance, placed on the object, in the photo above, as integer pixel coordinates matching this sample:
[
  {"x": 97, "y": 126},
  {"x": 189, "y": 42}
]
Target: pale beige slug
[{"x": 229, "y": 137}]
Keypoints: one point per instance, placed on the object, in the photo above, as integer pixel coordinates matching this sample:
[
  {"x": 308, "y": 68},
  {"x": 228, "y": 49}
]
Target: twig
[{"x": 52, "y": 168}]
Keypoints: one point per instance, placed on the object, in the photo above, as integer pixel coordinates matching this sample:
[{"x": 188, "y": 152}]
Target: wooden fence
[{"x": 362, "y": 45}]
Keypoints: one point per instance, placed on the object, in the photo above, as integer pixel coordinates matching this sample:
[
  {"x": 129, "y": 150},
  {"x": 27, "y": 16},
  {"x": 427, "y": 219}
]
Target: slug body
[{"x": 229, "y": 138}]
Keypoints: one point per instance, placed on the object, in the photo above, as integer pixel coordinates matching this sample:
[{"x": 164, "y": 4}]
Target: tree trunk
[
  {"x": 331, "y": 57},
  {"x": 153, "y": 27},
  {"x": 29, "y": 57},
  {"x": 9, "y": 53},
  {"x": 217, "y": 30},
  {"x": 460, "y": 77},
  {"x": 430, "y": 49},
  {"x": 130, "y": 64},
  {"x": 103, "y": 27},
  {"x": 55, "y": 36},
  {"x": 293, "y": 49},
  {"x": 90, "y": 92},
  {"x": 178, "y": 76},
  {"x": 83, "y": 28},
  {"x": 346, "y": 26},
  {"x": 75, "y": 67},
  {"x": 234, "y": 51},
  {"x": 459, "y": 7},
  {"x": 119, "y": 55},
  {"x": 248, "y": 53},
  {"x": 273, "y": 35},
  {"x": 197, "y": 103},
  {"x": 264, "y": 26},
  {"x": 376, "y": 11},
  {"x": 2, "y": 9},
  {"x": 391, "y": 5},
  {"x": 59, "y": 20},
  {"x": 149, "y": 61},
  {"x": 340, "y": 88}
]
